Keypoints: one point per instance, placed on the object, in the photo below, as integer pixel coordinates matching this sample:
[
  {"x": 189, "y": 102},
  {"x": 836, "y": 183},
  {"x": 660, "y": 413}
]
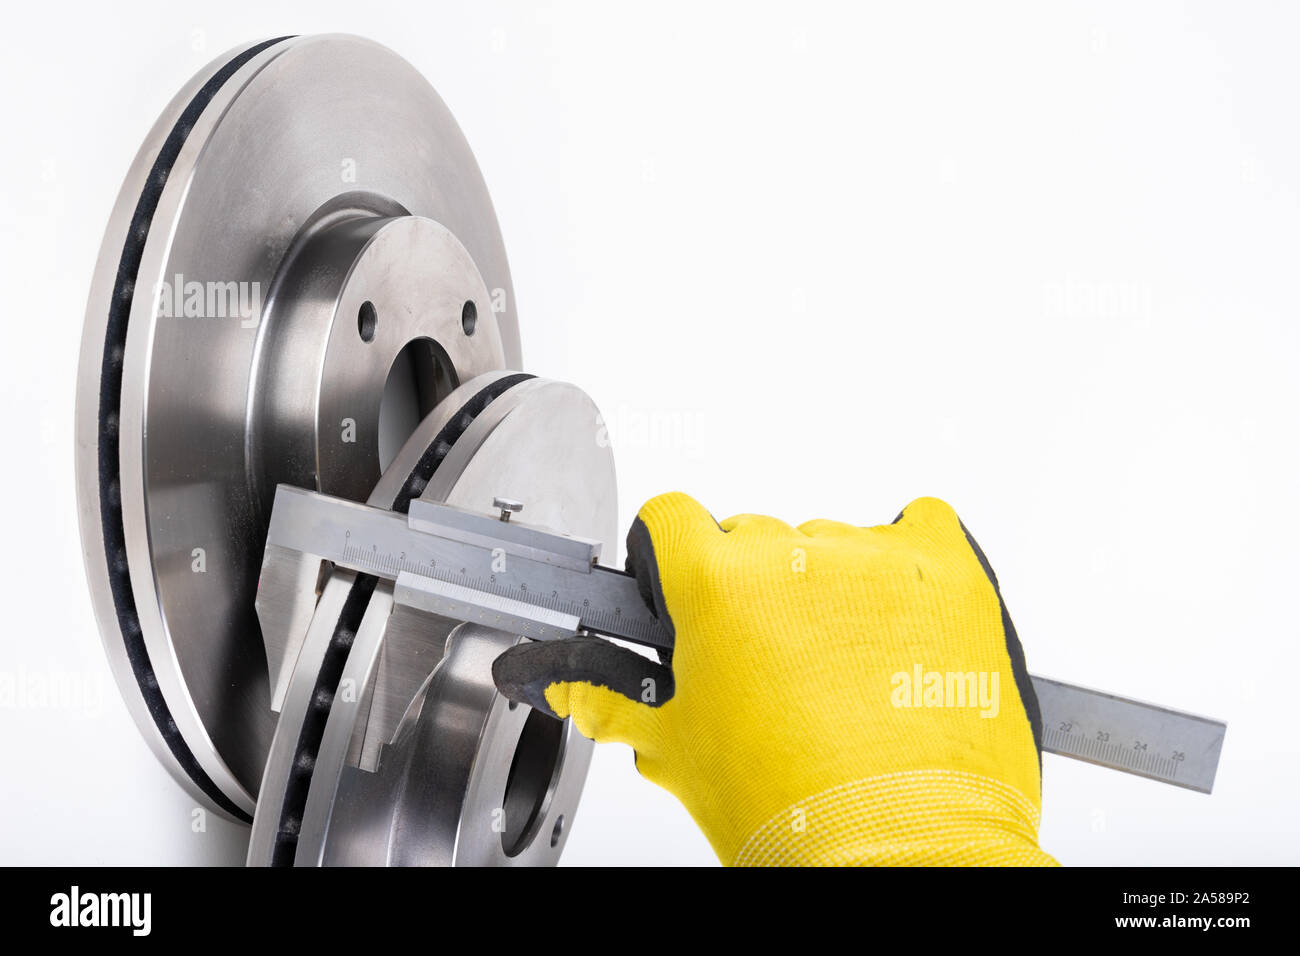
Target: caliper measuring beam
[{"x": 545, "y": 585}]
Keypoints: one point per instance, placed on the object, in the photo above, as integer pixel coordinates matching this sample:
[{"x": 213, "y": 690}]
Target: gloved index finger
[{"x": 668, "y": 529}]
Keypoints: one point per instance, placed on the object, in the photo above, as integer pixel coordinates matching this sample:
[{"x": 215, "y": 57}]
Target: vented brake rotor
[
  {"x": 393, "y": 745},
  {"x": 303, "y": 268}
]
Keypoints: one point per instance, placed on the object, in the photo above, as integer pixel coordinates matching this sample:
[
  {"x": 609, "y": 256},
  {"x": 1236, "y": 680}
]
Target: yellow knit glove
[{"x": 836, "y": 695}]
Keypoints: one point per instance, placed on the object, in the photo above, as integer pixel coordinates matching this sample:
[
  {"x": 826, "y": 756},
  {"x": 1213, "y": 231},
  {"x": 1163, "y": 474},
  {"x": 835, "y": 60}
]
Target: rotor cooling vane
[{"x": 303, "y": 283}]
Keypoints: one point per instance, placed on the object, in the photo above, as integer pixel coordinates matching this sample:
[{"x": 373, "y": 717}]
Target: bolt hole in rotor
[
  {"x": 531, "y": 782},
  {"x": 469, "y": 317},
  {"x": 367, "y": 321},
  {"x": 421, "y": 375}
]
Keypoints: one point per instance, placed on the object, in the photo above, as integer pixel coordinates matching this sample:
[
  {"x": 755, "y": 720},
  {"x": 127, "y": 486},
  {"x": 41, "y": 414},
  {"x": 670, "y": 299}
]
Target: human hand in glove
[{"x": 835, "y": 695}]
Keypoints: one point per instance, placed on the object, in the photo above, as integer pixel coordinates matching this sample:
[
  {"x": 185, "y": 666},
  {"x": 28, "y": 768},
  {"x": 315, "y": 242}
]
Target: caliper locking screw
[{"x": 507, "y": 505}]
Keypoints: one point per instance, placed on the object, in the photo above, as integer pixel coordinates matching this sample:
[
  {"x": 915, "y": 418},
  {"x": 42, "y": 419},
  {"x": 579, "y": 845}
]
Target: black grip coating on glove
[
  {"x": 642, "y": 565},
  {"x": 525, "y": 671},
  {"x": 1015, "y": 651}
]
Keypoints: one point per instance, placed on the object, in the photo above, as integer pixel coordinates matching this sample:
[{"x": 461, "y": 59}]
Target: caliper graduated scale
[{"x": 547, "y": 585}]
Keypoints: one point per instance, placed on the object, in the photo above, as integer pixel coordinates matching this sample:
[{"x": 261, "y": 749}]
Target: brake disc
[
  {"x": 393, "y": 745},
  {"x": 302, "y": 265}
]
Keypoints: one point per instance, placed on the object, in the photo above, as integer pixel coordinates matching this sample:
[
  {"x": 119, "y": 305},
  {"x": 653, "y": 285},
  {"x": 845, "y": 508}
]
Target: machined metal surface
[
  {"x": 538, "y": 583},
  {"x": 517, "y": 539},
  {"x": 1150, "y": 741},
  {"x": 420, "y": 760},
  {"x": 228, "y": 347},
  {"x": 469, "y": 778}
]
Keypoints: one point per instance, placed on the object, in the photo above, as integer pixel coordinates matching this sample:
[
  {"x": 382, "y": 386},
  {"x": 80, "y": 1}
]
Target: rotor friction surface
[
  {"x": 291, "y": 774},
  {"x": 108, "y": 422},
  {"x": 267, "y": 146},
  {"x": 351, "y": 778}
]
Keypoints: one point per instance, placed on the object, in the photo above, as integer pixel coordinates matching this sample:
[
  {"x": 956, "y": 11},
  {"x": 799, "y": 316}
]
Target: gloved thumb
[{"x": 612, "y": 693}]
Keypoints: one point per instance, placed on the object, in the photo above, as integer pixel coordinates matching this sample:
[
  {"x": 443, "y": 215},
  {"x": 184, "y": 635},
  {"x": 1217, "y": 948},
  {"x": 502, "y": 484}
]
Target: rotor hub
[{"x": 362, "y": 301}]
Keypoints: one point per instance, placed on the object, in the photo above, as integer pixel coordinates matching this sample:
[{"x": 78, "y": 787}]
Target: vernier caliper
[{"x": 545, "y": 585}]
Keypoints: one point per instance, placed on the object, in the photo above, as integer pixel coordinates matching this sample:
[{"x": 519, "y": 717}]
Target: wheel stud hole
[
  {"x": 469, "y": 316},
  {"x": 367, "y": 321}
]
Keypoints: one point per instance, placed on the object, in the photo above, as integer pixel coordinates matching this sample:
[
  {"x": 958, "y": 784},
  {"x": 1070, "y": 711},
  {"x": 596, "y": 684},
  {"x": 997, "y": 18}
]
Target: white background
[{"x": 812, "y": 260}]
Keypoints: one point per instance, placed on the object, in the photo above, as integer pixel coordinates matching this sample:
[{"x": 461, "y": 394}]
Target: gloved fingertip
[
  {"x": 678, "y": 513},
  {"x": 929, "y": 512},
  {"x": 519, "y": 678}
]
